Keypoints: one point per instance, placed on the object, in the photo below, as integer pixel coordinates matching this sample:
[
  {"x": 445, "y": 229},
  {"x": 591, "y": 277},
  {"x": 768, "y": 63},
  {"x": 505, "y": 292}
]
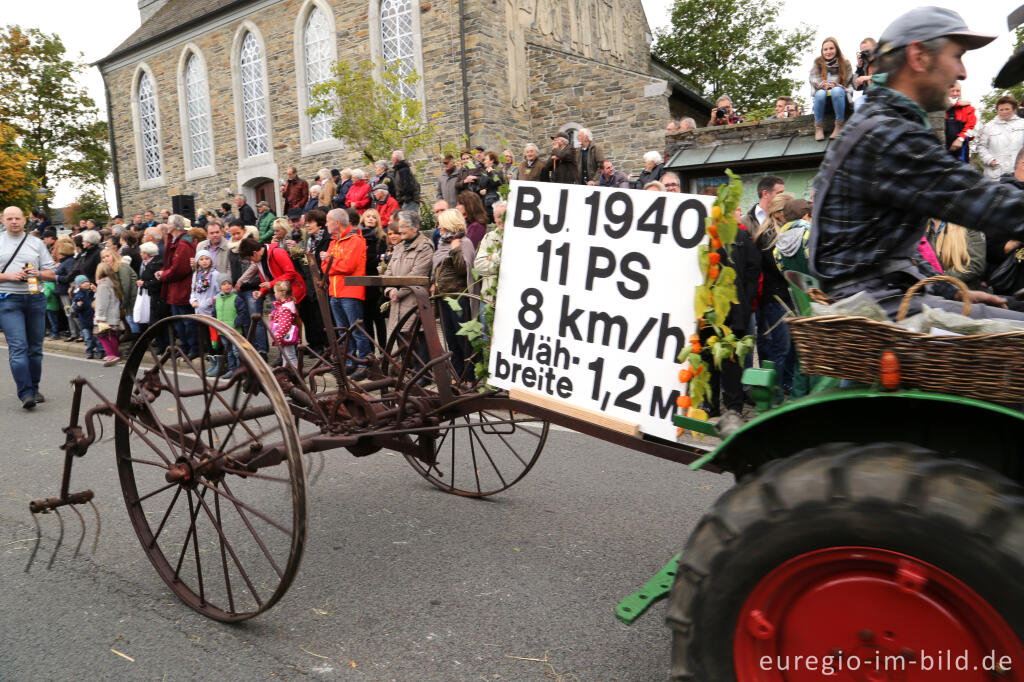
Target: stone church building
[{"x": 208, "y": 97}]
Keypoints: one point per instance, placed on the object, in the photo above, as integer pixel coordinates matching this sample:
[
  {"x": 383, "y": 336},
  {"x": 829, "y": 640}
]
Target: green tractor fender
[{"x": 950, "y": 426}]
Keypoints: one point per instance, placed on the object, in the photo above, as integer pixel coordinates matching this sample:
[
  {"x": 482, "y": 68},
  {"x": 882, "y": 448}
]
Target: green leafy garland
[{"x": 712, "y": 302}]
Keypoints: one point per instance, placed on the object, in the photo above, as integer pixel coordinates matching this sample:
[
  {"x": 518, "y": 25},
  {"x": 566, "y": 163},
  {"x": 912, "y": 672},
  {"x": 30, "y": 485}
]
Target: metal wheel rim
[
  {"x": 250, "y": 359},
  {"x": 942, "y": 608}
]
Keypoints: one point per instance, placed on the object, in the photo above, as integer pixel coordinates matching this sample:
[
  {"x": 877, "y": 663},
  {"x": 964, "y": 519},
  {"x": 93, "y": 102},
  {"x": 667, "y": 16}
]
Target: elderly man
[
  {"x": 589, "y": 158},
  {"x": 265, "y": 222},
  {"x": 155, "y": 235},
  {"x": 346, "y": 256},
  {"x": 245, "y": 212},
  {"x": 448, "y": 180},
  {"x": 609, "y": 177},
  {"x": 26, "y": 262},
  {"x": 724, "y": 114},
  {"x": 216, "y": 245},
  {"x": 561, "y": 164},
  {"x": 406, "y": 186},
  {"x": 176, "y": 282},
  {"x": 531, "y": 167},
  {"x": 671, "y": 182},
  {"x": 384, "y": 204},
  {"x": 295, "y": 191},
  {"x": 687, "y": 124}
]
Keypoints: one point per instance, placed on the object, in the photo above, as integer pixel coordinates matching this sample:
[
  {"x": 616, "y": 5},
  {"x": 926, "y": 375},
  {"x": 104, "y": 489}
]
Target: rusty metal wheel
[
  {"x": 480, "y": 448},
  {"x": 211, "y": 469}
]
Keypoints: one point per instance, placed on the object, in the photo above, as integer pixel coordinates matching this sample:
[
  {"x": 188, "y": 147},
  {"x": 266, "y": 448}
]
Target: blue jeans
[
  {"x": 23, "y": 320},
  {"x": 53, "y": 322},
  {"x": 346, "y": 311},
  {"x": 185, "y": 331},
  {"x": 255, "y": 307},
  {"x": 838, "y": 96},
  {"x": 775, "y": 345},
  {"x": 92, "y": 344}
]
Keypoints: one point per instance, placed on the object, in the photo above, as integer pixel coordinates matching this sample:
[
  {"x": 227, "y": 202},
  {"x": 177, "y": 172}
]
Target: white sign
[{"x": 595, "y": 297}]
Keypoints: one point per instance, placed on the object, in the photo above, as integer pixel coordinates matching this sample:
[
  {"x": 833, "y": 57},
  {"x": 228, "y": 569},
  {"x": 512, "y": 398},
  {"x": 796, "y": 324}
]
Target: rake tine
[
  {"x": 96, "y": 540},
  {"x": 60, "y": 539},
  {"x": 35, "y": 549},
  {"x": 81, "y": 520}
]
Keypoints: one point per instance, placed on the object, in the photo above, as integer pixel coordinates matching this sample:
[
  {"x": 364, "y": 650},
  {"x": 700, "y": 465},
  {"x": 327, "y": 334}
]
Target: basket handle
[{"x": 905, "y": 304}]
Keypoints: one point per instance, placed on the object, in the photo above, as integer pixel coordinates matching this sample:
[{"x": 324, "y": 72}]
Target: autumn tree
[
  {"x": 16, "y": 185},
  {"x": 90, "y": 204},
  {"x": 734, "y": 48},
  {"x": 373, "y": 115},
  {"x": 54, "y": 119}
]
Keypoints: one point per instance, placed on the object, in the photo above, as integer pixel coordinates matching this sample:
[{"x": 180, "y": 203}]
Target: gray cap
[
  {"x": 926, "y": 23},
  {"x": 380, "y": 186},
  {"x": 263, "y": 204}
]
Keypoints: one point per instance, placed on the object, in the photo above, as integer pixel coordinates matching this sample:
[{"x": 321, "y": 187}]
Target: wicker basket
[{"x": 983, "y": 366}]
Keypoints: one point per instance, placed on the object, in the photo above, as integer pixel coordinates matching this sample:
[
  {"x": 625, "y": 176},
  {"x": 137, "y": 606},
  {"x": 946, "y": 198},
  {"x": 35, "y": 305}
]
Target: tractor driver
[{"x": 888, "y": 173}]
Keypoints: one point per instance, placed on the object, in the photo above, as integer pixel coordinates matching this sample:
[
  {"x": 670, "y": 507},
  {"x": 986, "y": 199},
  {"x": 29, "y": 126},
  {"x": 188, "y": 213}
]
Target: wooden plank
[
  {"x": 583, "y": 414},
  {"x": 384, "y": 281}
]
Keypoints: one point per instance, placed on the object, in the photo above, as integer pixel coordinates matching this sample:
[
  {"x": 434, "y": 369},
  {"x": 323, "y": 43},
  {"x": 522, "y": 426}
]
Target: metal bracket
[{"x": 656, "y": 589}]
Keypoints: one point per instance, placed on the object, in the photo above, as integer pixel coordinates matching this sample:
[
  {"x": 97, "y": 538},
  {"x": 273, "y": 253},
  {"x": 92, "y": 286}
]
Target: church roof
[{"x": 176, "y": 15}]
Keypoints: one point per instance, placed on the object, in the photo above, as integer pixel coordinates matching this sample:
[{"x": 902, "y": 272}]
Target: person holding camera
[
  {"x": 830, "y": 77},
  {"x": 724, "y": 114},
  {"x": 862, "y": 76}
]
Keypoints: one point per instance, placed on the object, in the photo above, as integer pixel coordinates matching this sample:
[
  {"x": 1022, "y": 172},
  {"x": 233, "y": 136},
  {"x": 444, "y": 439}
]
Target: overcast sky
[{"x": 87, "y": 29}]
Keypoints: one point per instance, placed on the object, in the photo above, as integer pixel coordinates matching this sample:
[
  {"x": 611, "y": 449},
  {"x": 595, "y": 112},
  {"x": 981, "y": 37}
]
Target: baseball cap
[
  {"x": 926, "y": 23},
  {"x": 380, "y": 186}
]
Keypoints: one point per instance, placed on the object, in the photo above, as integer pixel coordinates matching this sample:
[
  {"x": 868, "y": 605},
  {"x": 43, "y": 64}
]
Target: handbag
[
  {"x": 1009, "y": 276},
  {"x": 141, "y": 313}
]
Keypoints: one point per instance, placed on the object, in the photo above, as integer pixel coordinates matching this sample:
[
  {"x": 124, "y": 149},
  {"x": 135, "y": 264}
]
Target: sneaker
[
  {"x": 40, "y": 398},
  {"x": 72, "y": 339},
  {"x": 28, "y": 402},
  {"x": 358, "y": 375},
  {"x": 111, "y": 360},
  {"x": 89, "y": 356}
]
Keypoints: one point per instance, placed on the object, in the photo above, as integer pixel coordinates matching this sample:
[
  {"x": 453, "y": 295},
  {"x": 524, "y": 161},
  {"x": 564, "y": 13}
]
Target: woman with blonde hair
[
  {"x": 376, "y": 244},
  {"x": 453, "y": 276},
  {"x": 327, "y": 188},
  {"x": 63, "y": 253},
  {"x": 961, "y": 252},
  {"x": 107, "y": 305},
  {"x": 125, "y": 277},
  {"x": 773, "y": 342}
]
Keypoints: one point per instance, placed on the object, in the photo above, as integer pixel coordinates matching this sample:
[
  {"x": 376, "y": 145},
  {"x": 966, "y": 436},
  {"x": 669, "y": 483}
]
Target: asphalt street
[{"x": 399, "y": 581}]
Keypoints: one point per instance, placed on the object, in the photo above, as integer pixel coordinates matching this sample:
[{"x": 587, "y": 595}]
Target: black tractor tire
[{"x": 956, "y": 515}]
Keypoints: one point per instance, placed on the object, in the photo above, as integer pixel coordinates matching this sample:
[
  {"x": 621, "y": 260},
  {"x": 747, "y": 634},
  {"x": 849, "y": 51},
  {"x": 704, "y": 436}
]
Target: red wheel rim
[{"x": 870, "y": 615}]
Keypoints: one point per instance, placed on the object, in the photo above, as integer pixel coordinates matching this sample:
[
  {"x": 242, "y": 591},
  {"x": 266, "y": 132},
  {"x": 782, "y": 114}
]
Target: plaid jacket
[{"x": 894, "y": 179}]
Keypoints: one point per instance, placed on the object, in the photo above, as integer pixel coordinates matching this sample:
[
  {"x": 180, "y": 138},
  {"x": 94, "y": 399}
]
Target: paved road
[{"x": 399, "y": 581}]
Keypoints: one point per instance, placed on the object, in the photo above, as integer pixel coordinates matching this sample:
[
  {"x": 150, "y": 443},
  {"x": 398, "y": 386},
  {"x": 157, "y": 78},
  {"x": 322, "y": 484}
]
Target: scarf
[{"x": 203, "y": 281}]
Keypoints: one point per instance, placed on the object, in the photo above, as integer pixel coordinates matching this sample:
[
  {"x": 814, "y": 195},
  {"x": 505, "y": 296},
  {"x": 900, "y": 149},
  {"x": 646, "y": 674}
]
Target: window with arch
[
  {"x": 197, "y": 112},
  {"x": 253, "y": 97},
  {"x": 152, "y": 168},
  {"x": 319, "y": 55},
  {"x": 396, "y": 38}
]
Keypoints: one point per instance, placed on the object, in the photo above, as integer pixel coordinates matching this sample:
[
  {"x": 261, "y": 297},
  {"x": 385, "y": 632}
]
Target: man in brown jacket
[
  {"x": 532, "y": 167},
  {"x": 561, "y": 165}
]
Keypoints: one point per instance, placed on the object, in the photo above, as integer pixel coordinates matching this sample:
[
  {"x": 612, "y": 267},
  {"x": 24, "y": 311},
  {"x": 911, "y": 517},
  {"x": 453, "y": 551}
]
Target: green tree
[
  {"x": 371, "y": 114},
  {"x": 90, "y": 204},
  {"x": 987, "y": 107},
  {"x": 735, "y": 48},
  {"x": 53, "y": 116}
]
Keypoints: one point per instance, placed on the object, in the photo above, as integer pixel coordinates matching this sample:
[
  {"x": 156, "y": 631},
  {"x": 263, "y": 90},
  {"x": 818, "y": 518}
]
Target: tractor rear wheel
[{"x": 866, "y": 558}]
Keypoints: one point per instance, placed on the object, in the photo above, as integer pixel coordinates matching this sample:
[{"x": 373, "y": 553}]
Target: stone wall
[
  {"x": 610, "y": 91},
  {"x": 626, "y": 111}
]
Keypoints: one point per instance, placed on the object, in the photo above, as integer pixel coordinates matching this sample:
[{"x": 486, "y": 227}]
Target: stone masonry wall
[
  {"x": 625, "y": 111},
  {"x": 625, "y": 107}
]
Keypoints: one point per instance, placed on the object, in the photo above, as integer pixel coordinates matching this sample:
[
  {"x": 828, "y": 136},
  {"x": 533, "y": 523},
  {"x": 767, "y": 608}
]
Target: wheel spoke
[
  {"x": 255, "y": 536},
  {"x": 474, "y": 434},
  {"x": 257, "y": 514},
  {"x": 231, "y": 551},
  {"x": 224, "y": 559},
  {"x": 155, "y": 492},
  {"x": 472, "y": 454}
]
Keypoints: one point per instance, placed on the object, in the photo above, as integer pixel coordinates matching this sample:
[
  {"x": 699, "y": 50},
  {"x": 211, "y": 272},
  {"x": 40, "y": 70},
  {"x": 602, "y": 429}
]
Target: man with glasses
[{"x": 671, "y": 182}]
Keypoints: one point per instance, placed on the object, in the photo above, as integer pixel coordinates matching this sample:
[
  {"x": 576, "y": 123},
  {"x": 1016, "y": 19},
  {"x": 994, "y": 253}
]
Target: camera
[
  {"x": 864, "y": 56},
  {"x": 721, "y": 112}
]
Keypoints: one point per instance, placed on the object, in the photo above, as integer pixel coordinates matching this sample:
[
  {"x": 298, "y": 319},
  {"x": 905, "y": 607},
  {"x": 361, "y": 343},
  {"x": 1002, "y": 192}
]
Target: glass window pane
[
  {"x": 253, "y": 102},
  {"x": 147, "y": 124}
]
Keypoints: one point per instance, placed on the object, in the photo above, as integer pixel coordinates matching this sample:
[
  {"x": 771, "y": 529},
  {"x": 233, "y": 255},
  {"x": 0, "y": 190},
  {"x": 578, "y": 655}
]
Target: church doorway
[{"x": 263, "y": 189}]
